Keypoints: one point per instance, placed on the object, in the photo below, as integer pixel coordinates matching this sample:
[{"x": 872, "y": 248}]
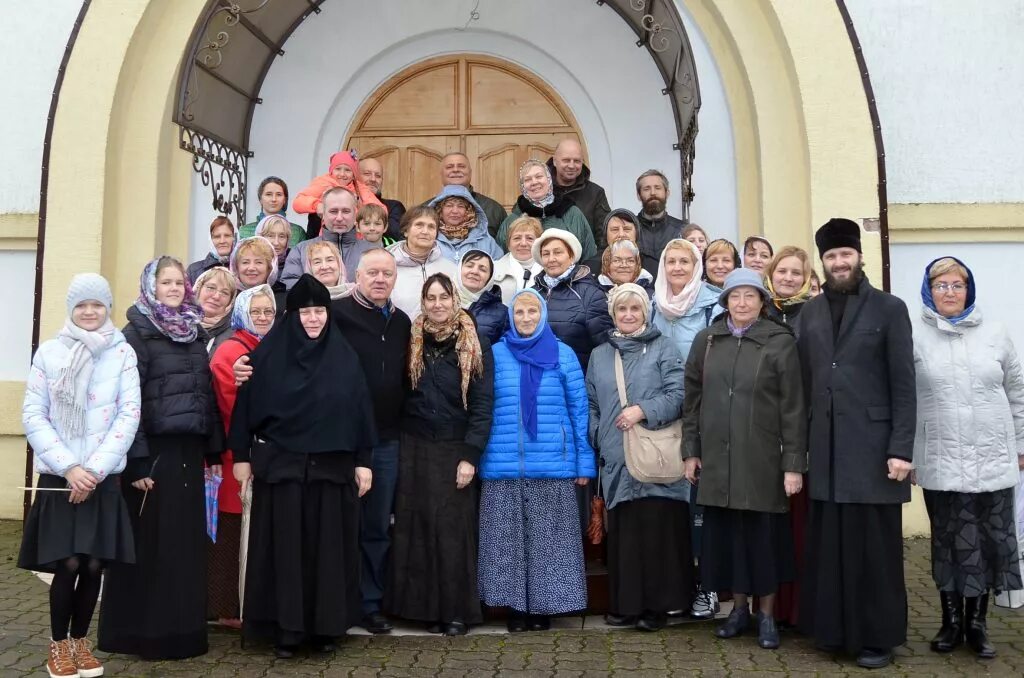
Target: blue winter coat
[
  {"x": 682, "y": 330},
  {"x": 561, "y": 449},
  {"x": 490, "y": 314},
  {"x": 577, "y": 312},
  {"x": 478, "y": 237}
]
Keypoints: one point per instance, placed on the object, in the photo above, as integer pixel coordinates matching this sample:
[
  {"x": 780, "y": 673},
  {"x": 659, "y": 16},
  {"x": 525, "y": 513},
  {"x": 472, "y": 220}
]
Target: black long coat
[{"x": 861, "y": 396}]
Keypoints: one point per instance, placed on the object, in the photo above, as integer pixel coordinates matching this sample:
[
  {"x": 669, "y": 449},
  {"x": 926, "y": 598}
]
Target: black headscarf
[{"x": 305, "y": 395}]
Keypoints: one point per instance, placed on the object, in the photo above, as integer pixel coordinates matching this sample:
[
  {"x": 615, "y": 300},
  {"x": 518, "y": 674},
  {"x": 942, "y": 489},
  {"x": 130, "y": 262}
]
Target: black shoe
[
  {"x": 976, "y": 614},
  {"x": 436, "y": 627},
  {"x": 874, "y": 658},
  {"x": 651, "y": 621},
  {"x": 735, "y": 624},
  {"x": 376, "y": 623},
  {"x": 951, "y": 635},
  {"x": 619, "y": 619},
  {"x": 284, "y": 651},
  {"x": 455, "y": 628},
  {"x": 537, "y": 622},
  {"x": 516, "y": 621},
  {"x": 767, "y": 632},
  {"x": 323, "y": 644}
]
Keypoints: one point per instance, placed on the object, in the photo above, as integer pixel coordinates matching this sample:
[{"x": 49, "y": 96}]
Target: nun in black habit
[{"x": 309, "y": 462}]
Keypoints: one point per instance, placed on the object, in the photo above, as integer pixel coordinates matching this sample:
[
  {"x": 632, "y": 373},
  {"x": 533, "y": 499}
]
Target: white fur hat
[{"x": 558, "y": 234}]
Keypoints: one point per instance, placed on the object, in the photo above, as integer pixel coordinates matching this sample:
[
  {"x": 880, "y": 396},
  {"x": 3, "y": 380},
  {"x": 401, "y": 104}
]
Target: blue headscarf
[
  {"x": 240, "y": 318},
  {"x": 535, "y": 353},
  {"x": 926, "y": 291}
]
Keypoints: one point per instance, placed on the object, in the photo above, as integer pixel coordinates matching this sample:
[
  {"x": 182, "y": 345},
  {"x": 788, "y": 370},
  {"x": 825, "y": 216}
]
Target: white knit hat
[
  {"x": 89, "y": 286},
  {"x": 558, "y": 234}
]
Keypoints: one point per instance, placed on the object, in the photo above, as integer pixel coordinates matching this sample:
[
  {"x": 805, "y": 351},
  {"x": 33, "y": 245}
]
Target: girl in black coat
[
  {"x": 479, "y": 297},
  {"x": 157, "y": 608}
]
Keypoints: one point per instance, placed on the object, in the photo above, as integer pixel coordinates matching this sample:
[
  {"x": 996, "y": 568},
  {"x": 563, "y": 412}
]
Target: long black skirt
[
  {"x": 433, "y": 575},
  {"x": 748, "y": 552},
  {"x": 853, "y": 595},
  {"x": 156, "y": 609},
  {"x": 650, "y": 558},
  {"x": 302, "y": 571},
  {"x": 974, "y": 541},
  {"x": 222, "y": 575},
  {"x": 57, "y": 529}
]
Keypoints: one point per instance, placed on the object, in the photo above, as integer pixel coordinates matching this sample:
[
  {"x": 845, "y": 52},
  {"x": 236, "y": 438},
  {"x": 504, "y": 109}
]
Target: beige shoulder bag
[{"x": 651, "y": 456}]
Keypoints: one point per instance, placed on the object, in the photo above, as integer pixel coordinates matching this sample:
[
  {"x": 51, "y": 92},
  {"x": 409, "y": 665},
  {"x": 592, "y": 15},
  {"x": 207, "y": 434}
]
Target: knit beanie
[{"x": 89, "y": 286}]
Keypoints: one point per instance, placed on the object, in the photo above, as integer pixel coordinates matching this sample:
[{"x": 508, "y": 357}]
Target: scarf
[
  {"x": 606, "y": 263},
  {"x": 618, "y": 292},
  {"x": 466, "y": 297},
  {"x": 467, "y": 345},
  {"x": 782, "y": 303},
  {"x": 460, "y": 232},
  {"x": 535, "y": 353},
  {"x": 547, "y": 199},
  {"x": 240, "y": 318},
  {"x": 675, "y": 306},
  {"x": 926, "y": 292},
  {"x": 386, "y": 310},
  {"x": 738, "y": 331},
  {"x": 421, "y": 260},
  {"x": 262, "y": 226},
  {"x": 71, "y": 389},
  {"x": 551, "y": 282},
  {"x": 343, "y": 288},
  {"x": 210, "y": 321},
  {"x": 179, "y": 324}
]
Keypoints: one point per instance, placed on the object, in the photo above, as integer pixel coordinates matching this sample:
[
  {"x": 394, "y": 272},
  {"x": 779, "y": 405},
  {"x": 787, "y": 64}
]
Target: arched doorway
[{"x": 495, "y": 112}]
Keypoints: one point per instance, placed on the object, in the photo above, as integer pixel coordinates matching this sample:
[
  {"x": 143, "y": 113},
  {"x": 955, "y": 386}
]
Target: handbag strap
[{"x": 620, "y": 379}]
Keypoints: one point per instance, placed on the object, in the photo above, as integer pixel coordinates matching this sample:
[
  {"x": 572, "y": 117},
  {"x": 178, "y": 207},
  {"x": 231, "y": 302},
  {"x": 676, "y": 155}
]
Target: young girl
[{"x": 80, "y": 415}]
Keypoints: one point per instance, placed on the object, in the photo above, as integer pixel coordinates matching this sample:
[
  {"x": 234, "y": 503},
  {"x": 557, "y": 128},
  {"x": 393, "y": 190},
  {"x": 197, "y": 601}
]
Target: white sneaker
[{"x": 705, "y": 604}]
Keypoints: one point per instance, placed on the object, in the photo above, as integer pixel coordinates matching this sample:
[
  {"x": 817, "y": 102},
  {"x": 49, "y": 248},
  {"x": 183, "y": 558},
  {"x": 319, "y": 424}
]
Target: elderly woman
[
  {"x": 222, "y": 240},
  {"x": 968, "y": 450},
  {"x": 720, "y": 259},
  {"x": 577, "y": 306},
  {"x": 620, "y": 224},
  {"x": 479, "y": 296},
  {"x": 273, "y": 197},
  {"x": 446, "y": 423},
  {"x": 156, "y": 608},
  {"x": 815, "y": 289},
  {"x": 251, "y": 320},
  {"x": 649, "y": 557},
  {"x": 697, "y": 235},
  {"x": 539, "y": 200},
  {"x": 323, "y": 261},
  {"x": 531, "y": 549},
  {"x": 418, "y": 257},
  {"x": 215, "y": 293},
  {"x": 746, "y": 431},
  {"x": 462, "y": 224},
  {"x": 621, "y": 265},
  {"x": 517, "y": 269},
  {"x": 254, "y": 262},
  {"x": 277, "y": 231},
  {"x": 757, "y": 252},
  {"x": 788, "y": 279},
  {"x": 302, "y": 575}
]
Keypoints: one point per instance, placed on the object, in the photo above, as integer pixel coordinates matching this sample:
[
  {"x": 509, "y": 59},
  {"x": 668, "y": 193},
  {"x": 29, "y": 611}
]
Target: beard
[
  {"x": 848, "y": 284},
  {"x": 654, "y": 206}
]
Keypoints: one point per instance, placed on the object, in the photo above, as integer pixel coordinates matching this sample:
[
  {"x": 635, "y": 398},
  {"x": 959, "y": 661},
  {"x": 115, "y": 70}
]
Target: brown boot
[
  {"x": 88, "y": 665},
  {"x": 61, "y": 663}
]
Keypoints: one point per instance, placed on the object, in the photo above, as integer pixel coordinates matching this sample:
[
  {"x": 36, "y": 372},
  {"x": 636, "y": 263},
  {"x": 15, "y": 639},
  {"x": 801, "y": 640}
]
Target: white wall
[
  {"x": 949, "y": 80},
  {"x": 16, "y": 337},
  {"x": 583, "y": 50}
]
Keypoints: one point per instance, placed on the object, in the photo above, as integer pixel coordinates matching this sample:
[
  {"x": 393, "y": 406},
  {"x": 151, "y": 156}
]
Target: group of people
[{"x": 405, "y": 413}]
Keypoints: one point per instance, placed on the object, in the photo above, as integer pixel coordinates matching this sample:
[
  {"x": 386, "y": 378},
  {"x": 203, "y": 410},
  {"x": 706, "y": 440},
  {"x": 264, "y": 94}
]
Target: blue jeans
[{"x": 375, "y": 524}]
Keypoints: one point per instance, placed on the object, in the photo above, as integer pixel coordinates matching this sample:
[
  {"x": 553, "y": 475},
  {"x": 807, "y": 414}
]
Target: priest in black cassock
[{"x": 858, "y": 368}]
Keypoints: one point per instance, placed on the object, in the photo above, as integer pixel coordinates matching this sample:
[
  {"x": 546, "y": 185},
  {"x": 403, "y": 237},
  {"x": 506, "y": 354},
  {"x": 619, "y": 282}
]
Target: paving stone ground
[{"x": 684, "y": 650}]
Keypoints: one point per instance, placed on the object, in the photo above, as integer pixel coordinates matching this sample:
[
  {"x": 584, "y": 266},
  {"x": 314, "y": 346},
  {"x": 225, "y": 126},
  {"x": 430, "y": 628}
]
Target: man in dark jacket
[
  {"x": 572, "y": 180},
  {"x": 657, "y": 227},
  {"x": 373, "y": 176},
  {"x": 455, "y": 169},
  {"x": 857, "y": 360}
]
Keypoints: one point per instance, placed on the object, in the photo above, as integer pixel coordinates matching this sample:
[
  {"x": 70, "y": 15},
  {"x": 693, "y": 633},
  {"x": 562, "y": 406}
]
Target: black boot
[
  {"x": 951, "y": 635},
  {"x": 977, "y": 631}
]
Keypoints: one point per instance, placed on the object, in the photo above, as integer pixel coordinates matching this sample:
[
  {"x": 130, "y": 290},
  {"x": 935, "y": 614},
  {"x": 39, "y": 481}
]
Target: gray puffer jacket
[
  {"x": 970, "y": 404},
  {"x": 653, "y": 372}
]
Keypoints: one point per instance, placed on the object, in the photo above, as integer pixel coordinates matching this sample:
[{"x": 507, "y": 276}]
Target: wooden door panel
[
  {"x": 412, "y": 164},
  {"x": 427, "y": 100},
  {"x": 498, "y": 98}
]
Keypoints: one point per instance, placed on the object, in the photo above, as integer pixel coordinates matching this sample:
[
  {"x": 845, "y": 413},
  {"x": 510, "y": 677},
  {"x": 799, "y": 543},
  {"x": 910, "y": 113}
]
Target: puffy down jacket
[{"x": 490, "y": 314}]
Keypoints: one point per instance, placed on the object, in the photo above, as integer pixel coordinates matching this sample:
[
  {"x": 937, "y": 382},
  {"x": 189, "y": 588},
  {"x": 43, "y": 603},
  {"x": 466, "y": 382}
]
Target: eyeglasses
[
  {"x": 942, "y": 288},
  {"x": 257, "y": 313},
  {"x": 618, "y": 261},
  {"x": 217, "y": 291}
]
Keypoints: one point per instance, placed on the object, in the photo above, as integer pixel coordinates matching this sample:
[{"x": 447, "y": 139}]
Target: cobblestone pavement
[{"x": 684, "y": 650}]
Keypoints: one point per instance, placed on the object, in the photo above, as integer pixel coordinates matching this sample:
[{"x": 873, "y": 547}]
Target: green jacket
[
  {"x": 744, "y": 415},
  {"x": 563, "y": 215},
  {"x": 298, "y": 233}
]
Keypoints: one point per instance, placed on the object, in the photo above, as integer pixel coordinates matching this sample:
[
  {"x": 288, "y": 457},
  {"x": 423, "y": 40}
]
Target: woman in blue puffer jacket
[{"x": 532, "y": 561}]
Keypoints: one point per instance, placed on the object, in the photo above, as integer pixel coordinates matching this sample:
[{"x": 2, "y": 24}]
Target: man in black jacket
[
  {"x": 572, "y": 180},
  {"x": 657, "y": 227},
  {"x": 373, "y": 176},
  {"x": 857, "y": 359}
]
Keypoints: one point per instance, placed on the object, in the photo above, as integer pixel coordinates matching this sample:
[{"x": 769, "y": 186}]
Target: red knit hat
[{"x": 344, "y": 158}]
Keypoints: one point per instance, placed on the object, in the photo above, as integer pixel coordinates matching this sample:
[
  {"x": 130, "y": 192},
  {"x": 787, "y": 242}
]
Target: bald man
[
  {"x": 373, "y": 176},
  {"x": 572, "y": 180}
]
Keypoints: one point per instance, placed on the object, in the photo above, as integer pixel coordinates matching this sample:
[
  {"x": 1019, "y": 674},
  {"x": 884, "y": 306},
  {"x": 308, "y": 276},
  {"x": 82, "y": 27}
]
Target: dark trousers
[{"x": 375, "y": 523}]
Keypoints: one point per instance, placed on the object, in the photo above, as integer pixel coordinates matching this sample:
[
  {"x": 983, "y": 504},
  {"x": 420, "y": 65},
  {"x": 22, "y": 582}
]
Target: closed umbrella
[{"x": 243, "y": 546}]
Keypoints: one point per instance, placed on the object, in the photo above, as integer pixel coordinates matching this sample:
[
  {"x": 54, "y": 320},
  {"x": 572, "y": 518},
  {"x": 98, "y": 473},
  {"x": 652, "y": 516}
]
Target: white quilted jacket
[
  {"x": 112, "y": 416},
  {"x": 970, "y": 404}
]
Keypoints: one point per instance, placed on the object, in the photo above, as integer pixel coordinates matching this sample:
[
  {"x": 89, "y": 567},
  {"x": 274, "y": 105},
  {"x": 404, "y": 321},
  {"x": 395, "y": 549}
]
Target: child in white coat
[{"x": 81, "y": 412}]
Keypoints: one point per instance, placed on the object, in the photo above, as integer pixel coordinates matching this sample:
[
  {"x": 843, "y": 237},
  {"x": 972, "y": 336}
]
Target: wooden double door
[{"x": 495, "y": 112}]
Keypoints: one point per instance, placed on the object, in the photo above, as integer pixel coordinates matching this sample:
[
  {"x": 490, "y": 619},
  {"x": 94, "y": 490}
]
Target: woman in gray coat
[
  {"x": 649, "y": 554},
  {"x": 970, "y": 431}
]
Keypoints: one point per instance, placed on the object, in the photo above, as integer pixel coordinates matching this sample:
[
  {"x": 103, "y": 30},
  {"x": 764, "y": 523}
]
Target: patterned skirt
[
  {"x": 974, "y": 541},
  {"x": 531, "y": 549}
]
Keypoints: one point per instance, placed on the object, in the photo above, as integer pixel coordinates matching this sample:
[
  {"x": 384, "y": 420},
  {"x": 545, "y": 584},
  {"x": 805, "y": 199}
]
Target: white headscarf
[
  {"x": 467, "y": 298},
  {"x": 675, "y": 306}
]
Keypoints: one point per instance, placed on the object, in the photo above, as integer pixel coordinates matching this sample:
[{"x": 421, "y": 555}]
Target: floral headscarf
[
  {"x": 268, "y": 251},
  {"x": 240, "y": 318},
  {"x": 547, "y": 199},
  {"x": 461, "y": 231},
  {"x": 179, "y": 324}
]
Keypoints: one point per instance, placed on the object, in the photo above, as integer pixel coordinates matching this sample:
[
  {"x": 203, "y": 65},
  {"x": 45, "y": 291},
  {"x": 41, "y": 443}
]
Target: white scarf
[
  {"x": 71, "y": 389},
  {"x": 675, "y": 306}
]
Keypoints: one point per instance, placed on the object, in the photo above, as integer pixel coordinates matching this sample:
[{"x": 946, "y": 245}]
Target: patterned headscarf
[
  {"x": 467, "y": 345},
  {"x": 179, "y": 324},
  {"x": 609, "y": 252},
  {"x": 547, "y": 199},
  {"x": 461, "y": 231},
  {"x": 240, "y": 318}
]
